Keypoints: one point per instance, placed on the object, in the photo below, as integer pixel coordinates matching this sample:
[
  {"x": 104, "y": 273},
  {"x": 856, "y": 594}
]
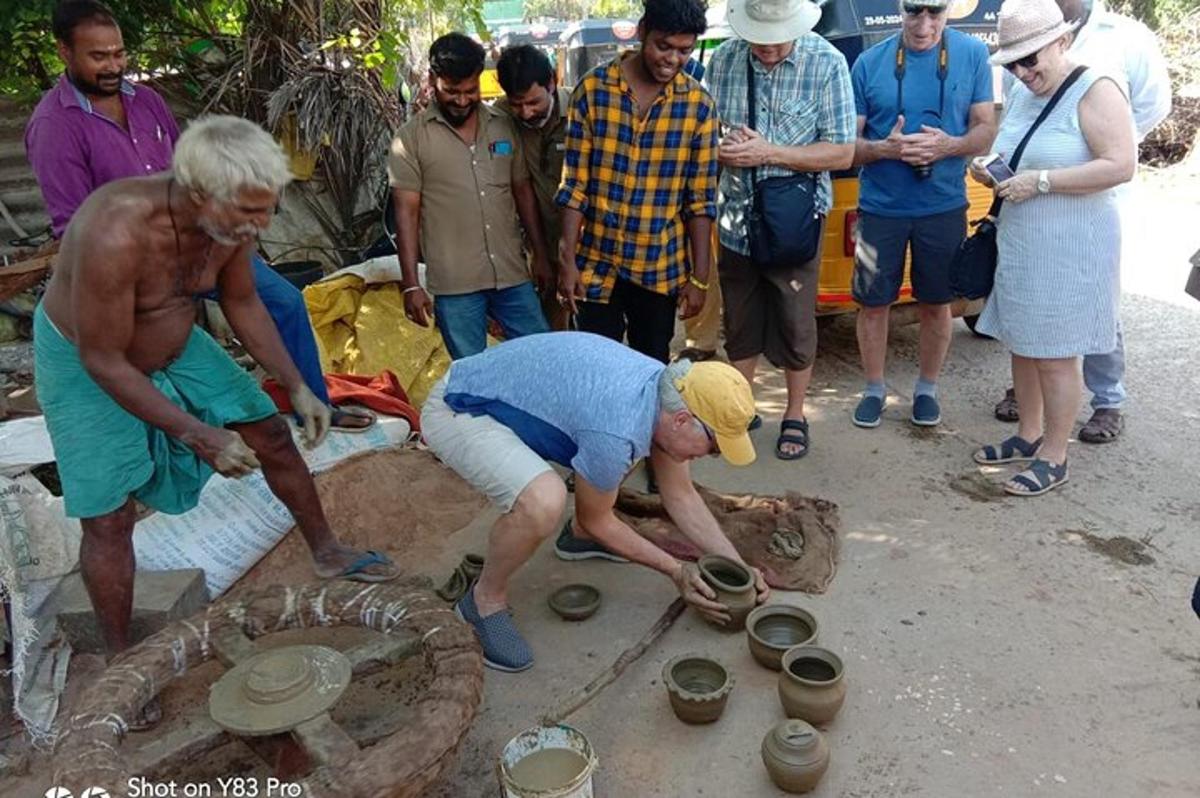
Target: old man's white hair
[{"x": 221, "y": 155}]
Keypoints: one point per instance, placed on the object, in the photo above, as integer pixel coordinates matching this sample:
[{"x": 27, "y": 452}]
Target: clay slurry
[
  {"x": 813, "y": 669},
  {"x": 548, "y": 769}
]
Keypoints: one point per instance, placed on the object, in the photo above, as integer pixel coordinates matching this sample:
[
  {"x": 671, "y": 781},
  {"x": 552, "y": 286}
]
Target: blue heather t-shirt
[
  {"x": 891, "y": 188},
  {"x": 577, "y": 399}
]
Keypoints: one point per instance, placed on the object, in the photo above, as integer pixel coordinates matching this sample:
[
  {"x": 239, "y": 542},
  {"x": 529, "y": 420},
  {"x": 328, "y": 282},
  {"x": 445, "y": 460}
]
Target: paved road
[{"x": 994, "y": 646}]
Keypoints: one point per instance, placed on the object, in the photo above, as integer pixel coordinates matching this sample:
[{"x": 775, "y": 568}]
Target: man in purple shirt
[{"x": 94, "y": 127}]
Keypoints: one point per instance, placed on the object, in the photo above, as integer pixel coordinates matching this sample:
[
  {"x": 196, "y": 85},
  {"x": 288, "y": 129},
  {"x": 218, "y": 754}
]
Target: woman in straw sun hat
[{"x": 1057, "y": 278}]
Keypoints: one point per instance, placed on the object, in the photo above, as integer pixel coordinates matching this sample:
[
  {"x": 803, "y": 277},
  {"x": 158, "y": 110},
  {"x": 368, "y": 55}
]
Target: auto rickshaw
[{"x": 543, "y": 35}]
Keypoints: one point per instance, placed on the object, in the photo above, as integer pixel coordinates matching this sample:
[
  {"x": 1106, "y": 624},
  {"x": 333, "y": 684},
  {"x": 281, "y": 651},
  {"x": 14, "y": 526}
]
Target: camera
[{"x": 924, "y": 171}]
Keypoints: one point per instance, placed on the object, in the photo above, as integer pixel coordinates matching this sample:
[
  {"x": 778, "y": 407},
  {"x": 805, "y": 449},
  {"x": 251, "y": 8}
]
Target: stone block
[{"x": 159, "y": 598}]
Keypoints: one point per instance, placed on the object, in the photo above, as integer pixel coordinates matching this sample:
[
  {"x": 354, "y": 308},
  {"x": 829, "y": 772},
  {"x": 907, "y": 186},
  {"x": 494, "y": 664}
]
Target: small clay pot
[
  {"x": 734, "y": 585},
  {"x": 774, "y": 628},
  {"x": 472, "y": 566},
  {"x": 575, "y": 602},
  {"x": 811, "y": 683},
  {"x": 698, "y": 687},
  {"x": 796, "y": 756}
]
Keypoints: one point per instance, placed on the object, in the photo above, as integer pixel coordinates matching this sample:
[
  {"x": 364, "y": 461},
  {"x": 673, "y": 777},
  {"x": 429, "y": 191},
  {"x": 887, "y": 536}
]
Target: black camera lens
[{"x": 923, "y": 172}]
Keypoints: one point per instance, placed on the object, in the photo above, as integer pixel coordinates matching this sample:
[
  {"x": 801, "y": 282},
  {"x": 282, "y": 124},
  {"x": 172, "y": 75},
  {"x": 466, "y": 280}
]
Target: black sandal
[{"x": 795, "y": 433}]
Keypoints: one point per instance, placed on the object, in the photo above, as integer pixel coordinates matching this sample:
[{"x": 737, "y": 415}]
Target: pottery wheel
[{"x": 279, "y": 689}]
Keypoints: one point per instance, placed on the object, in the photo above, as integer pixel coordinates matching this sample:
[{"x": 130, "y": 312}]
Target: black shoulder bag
[
  {"x": 973, "y": 269},
  {"x": 784, "y": 226}
]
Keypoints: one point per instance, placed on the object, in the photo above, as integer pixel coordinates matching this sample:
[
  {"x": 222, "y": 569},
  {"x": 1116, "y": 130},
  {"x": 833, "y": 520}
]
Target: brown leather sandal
[
  {"x": 1104, "y": 426},
  {"x": 1006, "y": 408}
]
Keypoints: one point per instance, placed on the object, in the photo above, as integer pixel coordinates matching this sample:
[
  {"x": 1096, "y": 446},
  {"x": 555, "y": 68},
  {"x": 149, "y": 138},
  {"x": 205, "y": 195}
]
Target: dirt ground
[{"x": 993, "y": 645}]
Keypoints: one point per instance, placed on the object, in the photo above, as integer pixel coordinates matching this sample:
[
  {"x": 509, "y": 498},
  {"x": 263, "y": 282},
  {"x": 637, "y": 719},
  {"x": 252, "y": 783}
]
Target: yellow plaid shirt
[{"x": 637, "y": 181}]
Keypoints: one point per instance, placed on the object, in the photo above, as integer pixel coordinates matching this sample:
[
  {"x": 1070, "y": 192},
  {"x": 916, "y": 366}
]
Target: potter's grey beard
[{"x": 238, "y": 236}]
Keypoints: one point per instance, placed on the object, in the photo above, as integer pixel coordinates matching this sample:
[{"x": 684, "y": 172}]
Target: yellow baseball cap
[{"x": 717, "y": 394}]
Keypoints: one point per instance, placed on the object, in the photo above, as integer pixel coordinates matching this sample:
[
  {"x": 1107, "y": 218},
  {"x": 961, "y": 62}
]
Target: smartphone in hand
[{"x": 997, "y": 167}]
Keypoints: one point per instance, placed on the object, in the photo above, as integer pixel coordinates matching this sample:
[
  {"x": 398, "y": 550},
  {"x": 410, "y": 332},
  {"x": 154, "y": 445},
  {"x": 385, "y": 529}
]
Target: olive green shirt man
[{"x": 544, "y": 148}]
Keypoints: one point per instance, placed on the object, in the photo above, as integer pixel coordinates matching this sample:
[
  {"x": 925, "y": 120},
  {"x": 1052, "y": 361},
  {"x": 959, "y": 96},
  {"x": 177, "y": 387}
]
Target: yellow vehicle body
[
  {"x": 837, "y": 260},
  {"x": 489, "y": 85}
]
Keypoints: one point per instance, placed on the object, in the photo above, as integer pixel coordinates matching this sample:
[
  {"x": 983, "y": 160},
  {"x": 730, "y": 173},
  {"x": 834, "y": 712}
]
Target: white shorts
[{"x": 480, "y": 449}]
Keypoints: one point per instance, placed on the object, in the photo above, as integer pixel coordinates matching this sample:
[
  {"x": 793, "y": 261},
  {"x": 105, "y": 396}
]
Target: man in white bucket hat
[
  {"x": 924, "y": 99},
  {"x": 803, "y": 124}
]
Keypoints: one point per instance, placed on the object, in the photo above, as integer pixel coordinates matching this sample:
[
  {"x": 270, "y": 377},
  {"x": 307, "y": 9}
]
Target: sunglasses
[
  {"x": 713, "y": 449},
  {"x": 915, "y": 9},
  {"x": 1028, "y": 62}
]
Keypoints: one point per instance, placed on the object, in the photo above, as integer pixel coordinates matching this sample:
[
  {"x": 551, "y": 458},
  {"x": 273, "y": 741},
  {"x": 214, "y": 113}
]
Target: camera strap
[{"x": 943, "y": 70}]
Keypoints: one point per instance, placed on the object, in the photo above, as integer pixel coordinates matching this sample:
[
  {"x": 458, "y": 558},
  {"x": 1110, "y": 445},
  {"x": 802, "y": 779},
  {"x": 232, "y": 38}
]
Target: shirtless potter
[{"x": 141, "y": 403}]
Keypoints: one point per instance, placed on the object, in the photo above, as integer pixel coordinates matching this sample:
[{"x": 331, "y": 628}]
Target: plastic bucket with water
[{"x": 542, "y": 738}]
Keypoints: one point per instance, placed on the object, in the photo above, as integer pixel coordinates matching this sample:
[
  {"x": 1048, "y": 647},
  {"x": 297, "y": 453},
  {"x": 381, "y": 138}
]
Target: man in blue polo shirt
[
  {"x": 588, "y": 403},
  {"x": 924, "y": 104}
]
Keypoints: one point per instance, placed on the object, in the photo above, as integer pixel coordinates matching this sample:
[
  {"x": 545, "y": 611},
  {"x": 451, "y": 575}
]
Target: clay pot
[
  {"x": 575, "y": 602},
  {"x": 774, "y": 628},
  {"x": 698, "y": 687},
  {"x": 811, "y": 683},
  {"x": 734, "y": 585},
  {"x": 796, "y": 756},
  {"x": 472, "y": 566}
]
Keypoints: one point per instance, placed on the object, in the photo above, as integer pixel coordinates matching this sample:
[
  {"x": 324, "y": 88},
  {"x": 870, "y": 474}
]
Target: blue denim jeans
[
  {"x": 462, "y": 318},
  {"x": 1103, "y": 375},
  {"x": 285, "y": 304}
]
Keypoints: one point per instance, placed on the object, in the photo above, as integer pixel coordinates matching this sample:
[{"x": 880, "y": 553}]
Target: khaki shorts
[
  {"x": 480, "y": 449},
  {"x": 770, "y": 312}
]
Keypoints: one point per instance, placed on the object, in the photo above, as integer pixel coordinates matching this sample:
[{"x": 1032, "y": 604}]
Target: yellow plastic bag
[{"x": 361, "y": 329}]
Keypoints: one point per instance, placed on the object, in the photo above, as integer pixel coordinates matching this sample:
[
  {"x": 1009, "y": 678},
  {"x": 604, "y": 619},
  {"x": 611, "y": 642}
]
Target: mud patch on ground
[
  {"x": 925, "y": 433},
  {"x": 1119, "y": 549},
  {"x": 976, "y": 487}
]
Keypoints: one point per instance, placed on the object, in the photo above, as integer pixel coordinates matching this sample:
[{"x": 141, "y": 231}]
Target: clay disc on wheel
[{"x": 279, "y": 689}]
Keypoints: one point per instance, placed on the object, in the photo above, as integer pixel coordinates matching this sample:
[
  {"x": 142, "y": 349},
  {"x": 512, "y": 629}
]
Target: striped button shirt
[
  {"x": 806, "y": 98},
  {"x": 637, "y": 181}
]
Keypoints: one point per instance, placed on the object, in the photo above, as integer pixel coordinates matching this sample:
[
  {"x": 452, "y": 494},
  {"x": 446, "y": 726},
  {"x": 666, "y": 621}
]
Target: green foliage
[
  {"x": 557, "y": 9},
  {"x": 156, "y": 33},
  {"x": 28, "y": 62},
  {"x": 617, "y": 9},
  {"x": 1157, "y": 14}
]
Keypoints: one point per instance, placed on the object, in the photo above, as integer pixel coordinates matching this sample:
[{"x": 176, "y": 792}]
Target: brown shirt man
[{"x": 470, "y": 236}]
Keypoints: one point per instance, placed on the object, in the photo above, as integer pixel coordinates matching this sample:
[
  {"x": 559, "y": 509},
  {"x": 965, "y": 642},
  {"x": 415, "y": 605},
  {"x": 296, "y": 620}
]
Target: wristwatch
[{"x": 1043, "y": 184}]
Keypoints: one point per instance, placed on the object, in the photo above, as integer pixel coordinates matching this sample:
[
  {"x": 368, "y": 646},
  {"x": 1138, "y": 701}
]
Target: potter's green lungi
[{"x": 105, "y": 454}]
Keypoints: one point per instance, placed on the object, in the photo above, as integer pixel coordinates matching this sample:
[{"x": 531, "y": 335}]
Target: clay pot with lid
[
  {"x": 734, "y": 586},
  {"x": 698, "y": 687},
  {"x": 812, "y": 686},
  {"x": 796, "y": 756},
  {"x": 774, "y": 628}
]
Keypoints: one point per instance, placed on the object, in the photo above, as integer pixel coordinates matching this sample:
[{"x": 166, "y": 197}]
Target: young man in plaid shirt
[{"x": 639, "y": 186}]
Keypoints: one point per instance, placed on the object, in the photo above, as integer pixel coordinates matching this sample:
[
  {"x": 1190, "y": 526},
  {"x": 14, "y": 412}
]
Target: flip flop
[
  {"x": 793, "y": 432},
  {"x": 356, "y": 571},
  {"x": 351, "y": 412}
]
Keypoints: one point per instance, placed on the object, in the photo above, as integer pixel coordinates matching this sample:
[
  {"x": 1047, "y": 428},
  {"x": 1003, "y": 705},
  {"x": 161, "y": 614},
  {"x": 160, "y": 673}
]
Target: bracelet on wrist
[
  {"x": 411, "y": 288},
  {"x": 702, "y": 286}
]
